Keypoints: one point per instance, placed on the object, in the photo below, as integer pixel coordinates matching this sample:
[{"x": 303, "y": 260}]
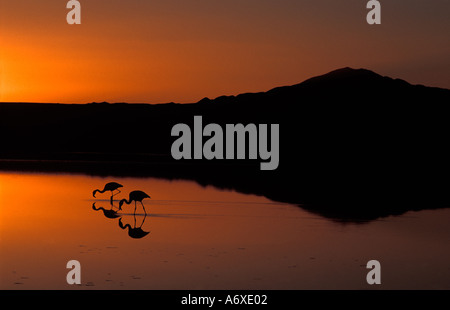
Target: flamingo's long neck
[
  {"x": 99, "y": 191},
  {"x": 124, "y": 226},
  {"x": 95, "y": 208}
]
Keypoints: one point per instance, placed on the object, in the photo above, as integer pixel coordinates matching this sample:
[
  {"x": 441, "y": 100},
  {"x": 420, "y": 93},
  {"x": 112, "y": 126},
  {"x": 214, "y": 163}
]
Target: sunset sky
[{"x": 183, "y": 50}]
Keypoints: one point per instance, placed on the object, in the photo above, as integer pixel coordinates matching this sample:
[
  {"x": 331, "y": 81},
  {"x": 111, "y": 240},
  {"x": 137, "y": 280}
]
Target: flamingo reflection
[
  {"x": 109, "y": 213},
  {"x": 134, "y": 232}
]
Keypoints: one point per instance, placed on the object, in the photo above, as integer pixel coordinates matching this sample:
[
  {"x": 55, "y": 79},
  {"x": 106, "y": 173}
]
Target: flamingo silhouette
[
  {"x": 111, "y": 186},
  {"x": 135, "y": 196},
  {"x": 134, "y": 232}
]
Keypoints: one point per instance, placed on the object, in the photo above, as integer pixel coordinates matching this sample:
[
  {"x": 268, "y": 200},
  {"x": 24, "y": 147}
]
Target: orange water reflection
[{"x": 202, "y": 238}]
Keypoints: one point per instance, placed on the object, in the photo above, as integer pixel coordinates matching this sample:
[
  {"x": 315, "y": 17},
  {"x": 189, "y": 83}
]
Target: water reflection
[
  {"x": 203, "y": 238},
  {"x": 134, "y": 232},
  {"x": 108, "y": 213}
]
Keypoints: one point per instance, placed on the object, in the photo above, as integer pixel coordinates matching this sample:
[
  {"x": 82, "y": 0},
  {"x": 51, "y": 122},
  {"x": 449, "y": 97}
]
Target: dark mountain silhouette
[{"x": 353, "y": 144}]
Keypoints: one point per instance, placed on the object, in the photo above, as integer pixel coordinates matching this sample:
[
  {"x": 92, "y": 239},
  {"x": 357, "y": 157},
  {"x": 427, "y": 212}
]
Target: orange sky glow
[{"x": 182, "y": 51}]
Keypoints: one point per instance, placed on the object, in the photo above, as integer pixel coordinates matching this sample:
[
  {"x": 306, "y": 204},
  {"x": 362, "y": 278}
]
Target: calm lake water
[{"x": 203, "y": 238}]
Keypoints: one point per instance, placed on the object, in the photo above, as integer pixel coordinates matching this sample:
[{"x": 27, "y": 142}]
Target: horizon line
[{"x": 232, "y": 95}]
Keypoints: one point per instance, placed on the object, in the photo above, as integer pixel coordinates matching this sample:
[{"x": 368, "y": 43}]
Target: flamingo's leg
[
  {"x": 145, "y": 216},
  {"x": 113, "y": 206},
  {"x": 112, "y": 195},
  {"x": 143, "y": 208}
]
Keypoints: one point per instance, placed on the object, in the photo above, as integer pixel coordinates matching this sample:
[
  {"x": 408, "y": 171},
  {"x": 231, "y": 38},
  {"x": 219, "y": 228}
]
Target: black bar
[{"x": 226, "y": 299}]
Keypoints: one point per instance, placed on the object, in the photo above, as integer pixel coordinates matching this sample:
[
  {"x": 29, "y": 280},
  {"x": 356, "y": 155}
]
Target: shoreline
[{"x": 225, "y": 177}]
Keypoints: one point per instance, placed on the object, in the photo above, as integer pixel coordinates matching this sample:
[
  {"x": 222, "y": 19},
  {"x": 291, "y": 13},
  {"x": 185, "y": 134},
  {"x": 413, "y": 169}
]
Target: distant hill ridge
[{"x": 341, "y": 80}]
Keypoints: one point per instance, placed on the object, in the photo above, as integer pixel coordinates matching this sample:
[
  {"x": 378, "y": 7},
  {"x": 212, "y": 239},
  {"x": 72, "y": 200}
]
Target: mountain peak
[
  {"x": 344, "y": 74},
  {"x": 352, "y": 71}
]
